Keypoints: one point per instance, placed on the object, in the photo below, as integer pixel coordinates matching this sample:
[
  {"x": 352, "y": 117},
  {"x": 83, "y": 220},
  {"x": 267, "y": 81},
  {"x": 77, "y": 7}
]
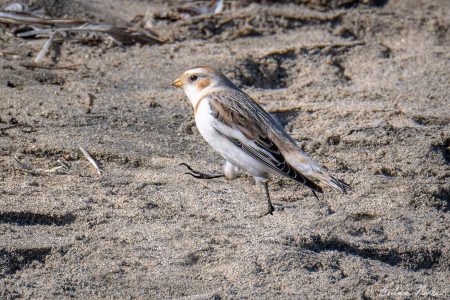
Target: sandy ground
[{"x": 364, "y": 88}]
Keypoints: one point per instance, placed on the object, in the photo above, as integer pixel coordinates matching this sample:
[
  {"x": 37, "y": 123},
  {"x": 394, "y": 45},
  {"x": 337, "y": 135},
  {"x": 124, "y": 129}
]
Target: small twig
[
  {"x": 27, "y": 168},
  {"x": 23, "y": 18},
  {"x": 286, "y": 51},
  {"x": 148, "y": 19},
  {"x": 316, "y": 17},
  {"x": 45, "y": 48},
  {"x": 50, "y": 67},
  {"x": 91, "y": 160},
  {"x": 54, "y": 169},
  {"x": 337, "y": 45},
  {"x": 10, "y": 53},
  {"x": 119, "y": 34}
]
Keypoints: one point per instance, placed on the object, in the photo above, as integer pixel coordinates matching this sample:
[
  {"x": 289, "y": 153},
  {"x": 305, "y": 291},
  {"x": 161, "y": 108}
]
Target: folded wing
[{"x": 250, "y": 120}]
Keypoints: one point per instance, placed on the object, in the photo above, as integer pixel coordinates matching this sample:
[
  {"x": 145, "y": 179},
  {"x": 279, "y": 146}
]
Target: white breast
[{"x": 206, "y": 125}]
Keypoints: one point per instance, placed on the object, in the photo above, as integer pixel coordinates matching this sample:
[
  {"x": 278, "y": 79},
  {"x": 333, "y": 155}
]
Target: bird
[{"x": 248, "y": 137}]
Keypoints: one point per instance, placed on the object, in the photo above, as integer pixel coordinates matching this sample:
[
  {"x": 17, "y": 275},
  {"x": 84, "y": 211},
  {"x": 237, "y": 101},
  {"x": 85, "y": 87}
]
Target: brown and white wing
[{"x": 243, "y": 122}]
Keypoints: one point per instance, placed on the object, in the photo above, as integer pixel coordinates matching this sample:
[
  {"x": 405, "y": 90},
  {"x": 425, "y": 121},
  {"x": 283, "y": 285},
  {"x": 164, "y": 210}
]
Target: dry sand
[{"x": 364, "y": 88}]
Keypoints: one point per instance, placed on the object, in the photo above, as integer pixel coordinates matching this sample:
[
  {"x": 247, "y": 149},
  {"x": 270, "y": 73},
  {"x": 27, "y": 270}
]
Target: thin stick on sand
[
  {"x": 91, "y": 160},
  {"x": 45, "y": 48},
  {"x": 23, "y": 18},
  {"x": 118, "y": 34},
  {"x": 54, "y": 169},
  {"x": 28, "y": 168},
  {"x": 122, "y": 36},
  {"x": 51, "y": 67}
]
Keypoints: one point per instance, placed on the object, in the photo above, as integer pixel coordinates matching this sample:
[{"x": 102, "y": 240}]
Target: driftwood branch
[
  {"x": 119, "y": 34},
  {"x": 23, "y": 18}
]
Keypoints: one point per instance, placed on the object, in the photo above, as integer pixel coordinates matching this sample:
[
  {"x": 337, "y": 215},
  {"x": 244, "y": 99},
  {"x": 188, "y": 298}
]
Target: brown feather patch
[
  {"x": 203, "y": 83},
  {"x": 228, "y": 116}
]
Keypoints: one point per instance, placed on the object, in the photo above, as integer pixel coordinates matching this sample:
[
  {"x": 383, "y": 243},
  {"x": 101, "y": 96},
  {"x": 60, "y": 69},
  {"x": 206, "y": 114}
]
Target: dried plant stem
[
  {"x": 45, "y": 48},
  {"x": 118, "y": 34},
  {"x": 91, "y": 160},
  {"x": 51, "y": 67}
]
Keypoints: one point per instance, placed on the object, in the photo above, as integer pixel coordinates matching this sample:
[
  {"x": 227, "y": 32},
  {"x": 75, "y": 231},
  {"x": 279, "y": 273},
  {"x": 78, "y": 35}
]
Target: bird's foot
[
  {"x": 200, "y": 175},
  {"x": 270, "y": 210}
]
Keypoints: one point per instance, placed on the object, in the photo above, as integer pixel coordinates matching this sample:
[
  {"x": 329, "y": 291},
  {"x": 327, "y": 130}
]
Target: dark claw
[
  {"x": 192, "y": 174},
  {"x": 270, "y": 210},
  {"x": 200, "y": 175},
  {"x": 315, "y": 195},
  {"x": 189, "y": 168}
]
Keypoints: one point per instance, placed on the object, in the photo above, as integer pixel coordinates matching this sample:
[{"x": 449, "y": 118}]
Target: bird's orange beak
[{"x": 177, "y": 83}]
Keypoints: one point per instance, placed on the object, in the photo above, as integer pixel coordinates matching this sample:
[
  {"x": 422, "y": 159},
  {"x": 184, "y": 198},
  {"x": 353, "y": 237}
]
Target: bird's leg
[
  {"x": 270, "y": 207},
  {"x": 231, "y": 171},
  {"x": 200, "y": 175},
  {"x": 265, "y": 183}
]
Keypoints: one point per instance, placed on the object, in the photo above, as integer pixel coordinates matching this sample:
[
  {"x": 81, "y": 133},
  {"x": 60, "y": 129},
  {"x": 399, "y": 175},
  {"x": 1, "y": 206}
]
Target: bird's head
[{"x": 199, "y": 81}]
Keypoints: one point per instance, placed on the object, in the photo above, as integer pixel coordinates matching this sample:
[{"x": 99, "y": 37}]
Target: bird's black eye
[{"x": 193, "y": 77}]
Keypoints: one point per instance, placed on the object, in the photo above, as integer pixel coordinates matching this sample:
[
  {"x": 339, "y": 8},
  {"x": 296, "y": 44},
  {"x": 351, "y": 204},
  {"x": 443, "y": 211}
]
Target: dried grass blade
[
  {"x": 91, "y": 160},
  {"x": 45, "y": 48}
]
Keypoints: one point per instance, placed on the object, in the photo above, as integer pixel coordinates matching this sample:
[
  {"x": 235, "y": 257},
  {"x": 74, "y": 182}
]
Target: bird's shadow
[{"x": 285, "y": 117}]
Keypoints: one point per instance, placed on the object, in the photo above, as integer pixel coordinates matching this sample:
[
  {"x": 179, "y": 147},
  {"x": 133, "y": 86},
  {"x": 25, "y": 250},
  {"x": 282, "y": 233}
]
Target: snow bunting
[{"x": 248, "y": 137}]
